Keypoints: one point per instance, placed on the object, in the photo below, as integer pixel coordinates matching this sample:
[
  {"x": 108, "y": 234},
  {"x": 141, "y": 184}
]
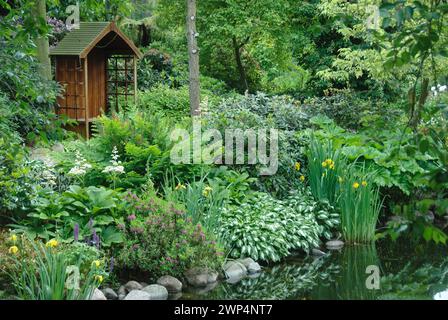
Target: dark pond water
[{"x": 406, "y": 272}]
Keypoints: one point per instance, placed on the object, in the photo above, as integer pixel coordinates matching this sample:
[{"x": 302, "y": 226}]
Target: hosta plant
[{"x": 268, "y": 229}]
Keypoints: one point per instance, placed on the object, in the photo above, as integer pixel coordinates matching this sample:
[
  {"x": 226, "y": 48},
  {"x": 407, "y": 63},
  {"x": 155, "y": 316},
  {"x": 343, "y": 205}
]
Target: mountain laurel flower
[
  {"x": 297, "y": 166},
  {"x": 206, "y": 191},
  {"x": 52, "y": 243},
  {"x": 99, "y": 278},
  {"x": 364, "y": 183},
  {"x": 13, "y": 250},
  {"x": 96, "y": 263},
  {"x": 302, "y": 178},
  {"x": 356, "y": 185}
]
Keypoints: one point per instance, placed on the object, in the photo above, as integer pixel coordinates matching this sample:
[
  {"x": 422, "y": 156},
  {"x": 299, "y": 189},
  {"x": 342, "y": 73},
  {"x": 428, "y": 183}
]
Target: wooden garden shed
[{"x": 97, "y": 66}]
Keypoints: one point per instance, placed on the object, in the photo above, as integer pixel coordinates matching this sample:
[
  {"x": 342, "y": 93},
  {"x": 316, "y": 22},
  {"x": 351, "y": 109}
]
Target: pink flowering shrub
[{"x": 160, "y": 239}]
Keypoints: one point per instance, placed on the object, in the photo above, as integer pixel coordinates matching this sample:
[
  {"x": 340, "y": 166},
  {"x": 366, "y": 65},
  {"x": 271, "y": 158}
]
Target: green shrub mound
[{"x": 269, "y": 229}]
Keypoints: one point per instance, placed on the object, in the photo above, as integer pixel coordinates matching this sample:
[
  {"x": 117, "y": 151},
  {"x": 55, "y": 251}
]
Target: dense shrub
[
  {"x": 350, "y": 111},
  {"x": 160, "y": 239},
  {"x": 28, "y": 99},
  {"x": 263, "y": 112},
  {"x": 268, "y": 229}
]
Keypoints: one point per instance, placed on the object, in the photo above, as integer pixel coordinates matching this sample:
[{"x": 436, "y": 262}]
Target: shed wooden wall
[
  {"x": 70, "y": 74},
  {"x": 96, "y": 83}
]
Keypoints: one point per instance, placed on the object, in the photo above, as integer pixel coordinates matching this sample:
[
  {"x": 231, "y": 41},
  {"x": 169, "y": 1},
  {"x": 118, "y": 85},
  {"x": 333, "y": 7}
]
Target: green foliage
[
  {"x": 421, "y": 282},
  {"x": 350, "y": 111},
  {"x": 260, "y": 111},
  {"x": 422, "y": 219},
  {"x": 16, "y": 178},
  {"x": 170, "y": 102},
  {"x": 96, "y": 211},
  {"x": 160, "y": 239},
  {"x": 325, "y": 170},
  {"x": 268, "y": 229},
  {"x": 27, "y": 97},
  {"x": 360, "y": 205},
  {"x": 393, "y": 153},
  {"x": 51, "y": 277},
  {"x": 203, "y": 200}
]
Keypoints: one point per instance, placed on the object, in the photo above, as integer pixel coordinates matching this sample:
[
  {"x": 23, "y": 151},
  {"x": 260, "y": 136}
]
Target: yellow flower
[
  {"x": 329, "y": 161},
  {"x": 364, "y": 183},
  {"x": 332, "y": 166},
  {"x": 52, "y": 243},
  {"x": 99, "y": 278},
  {"x": 356, "y": 185},
  {"x": 324, "y": 164},
  {"x": 13, "y": 250},
  {"x": 96, "y": 263},
  {"x": 180, "y": 186},
  {"x": 297, "y": 166},
  {"x": 13, "y": 238},
  {"x": 207, "y": 191},
  {"x": 302, "y": 178}
]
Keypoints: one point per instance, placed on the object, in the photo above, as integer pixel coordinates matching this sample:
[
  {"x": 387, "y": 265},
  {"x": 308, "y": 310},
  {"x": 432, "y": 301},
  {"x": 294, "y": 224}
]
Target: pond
[{"x": 406, "y": 272}]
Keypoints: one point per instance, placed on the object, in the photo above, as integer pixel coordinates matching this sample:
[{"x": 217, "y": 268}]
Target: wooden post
[
  {"x": 86, "y": 96},
  {"x": 193, "y": 61},
  {"x": 135, "y": 79}
]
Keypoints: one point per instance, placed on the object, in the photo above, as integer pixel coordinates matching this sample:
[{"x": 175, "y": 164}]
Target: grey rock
[
  {"x": 212, "y": 276},
  {"x": 254, "y": 275},
  {"x": 251, "y": 265},
  {"x": 253, "y": 268},
  {"x": 200, "y": 277},
  {"x": 156, "y": 292},
  {"x": 121, "y": 290},
  {"x": 234, "y": 270},
  {"x": 57, "y": 147},
  {"x": 121, "y": 296},
  {"x": 443, "y": 295},
  {"x": 98, "y": 295},
  {"x": 144, "y": 284},
  {"x": 172, "y": 284},
  {"x": 318, "y": 253},
  {"x": 138, "y": 295},
  {"x": 246, "y": 261},
  {"x": 110, "y": 294},
  {"x": 201, "y": 291},
  {"x": 132, "y": 285},
  {"x": 334, "y": 244}
]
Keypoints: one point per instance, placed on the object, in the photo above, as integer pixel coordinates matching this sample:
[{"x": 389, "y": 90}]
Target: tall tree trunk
[
  {"x": 242, "y": 71},
  {"x": 417, "y": 110},
  {"x": 43, "y": 49},
  {"x": 144, "y": 35},
  {"x": 193, "y": 61}
]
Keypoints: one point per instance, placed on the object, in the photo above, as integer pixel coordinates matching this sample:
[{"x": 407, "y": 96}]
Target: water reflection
[
  {"x": 405, "y": 273},
  {"x": 350, "y": 282}
]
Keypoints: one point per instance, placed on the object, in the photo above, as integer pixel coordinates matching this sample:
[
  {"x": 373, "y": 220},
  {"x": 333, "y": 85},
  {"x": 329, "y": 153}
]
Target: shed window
[{"x": 120, "y": 82}]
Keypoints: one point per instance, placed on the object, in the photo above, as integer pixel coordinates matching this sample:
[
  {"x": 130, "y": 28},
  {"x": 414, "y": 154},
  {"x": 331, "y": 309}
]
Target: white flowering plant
[
  {"x": 115, "y": 168},
  {"x": 81, "y": 167}
]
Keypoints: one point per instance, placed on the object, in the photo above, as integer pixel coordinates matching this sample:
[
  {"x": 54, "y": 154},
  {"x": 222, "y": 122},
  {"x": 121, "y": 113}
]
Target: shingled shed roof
[{"x": 79, "y": 42}]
